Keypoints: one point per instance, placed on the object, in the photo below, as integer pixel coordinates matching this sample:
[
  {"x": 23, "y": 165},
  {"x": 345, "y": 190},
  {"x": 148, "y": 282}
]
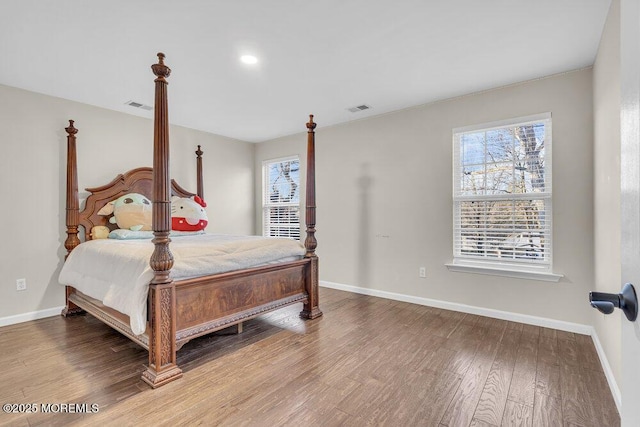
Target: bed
[{"x": 181, "y": 308}]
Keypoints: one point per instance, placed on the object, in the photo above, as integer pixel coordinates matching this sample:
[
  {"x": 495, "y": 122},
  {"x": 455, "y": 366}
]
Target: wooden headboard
[{"x": 138, "y": 180}]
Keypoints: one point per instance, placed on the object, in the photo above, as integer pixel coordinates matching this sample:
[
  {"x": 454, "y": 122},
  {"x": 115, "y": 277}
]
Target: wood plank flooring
[{"x": 368, "y": 361}]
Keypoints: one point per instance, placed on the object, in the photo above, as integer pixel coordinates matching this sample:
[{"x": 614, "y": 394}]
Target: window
[
  {"x": 502, "y": 197},
  {"x": 281, "y": 198}
]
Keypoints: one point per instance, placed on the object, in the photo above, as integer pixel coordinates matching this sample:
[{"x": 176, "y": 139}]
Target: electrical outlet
[
  {"x": 423, "y": 272},
  {"x": 21, "y": 285}
]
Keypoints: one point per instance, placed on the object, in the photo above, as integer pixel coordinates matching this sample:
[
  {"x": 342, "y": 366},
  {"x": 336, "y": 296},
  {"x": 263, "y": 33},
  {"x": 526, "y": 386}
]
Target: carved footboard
[{"x": 217, "y": 302}]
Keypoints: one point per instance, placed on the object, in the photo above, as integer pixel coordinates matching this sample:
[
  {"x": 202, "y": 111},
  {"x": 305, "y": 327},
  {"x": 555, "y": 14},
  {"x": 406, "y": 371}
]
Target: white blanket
[{"x": 117, "y": 272}]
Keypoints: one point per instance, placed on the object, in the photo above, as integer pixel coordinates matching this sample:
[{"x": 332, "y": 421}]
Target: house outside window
[
  {"x": 502, "y": 198},
  {"x": 281, "y": 197}
]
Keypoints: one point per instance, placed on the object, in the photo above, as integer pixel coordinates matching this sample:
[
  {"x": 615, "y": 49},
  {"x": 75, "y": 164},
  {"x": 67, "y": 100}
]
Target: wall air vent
[
  {"x": 358, "y": 108},
  {"x": 139, "y": 105}
]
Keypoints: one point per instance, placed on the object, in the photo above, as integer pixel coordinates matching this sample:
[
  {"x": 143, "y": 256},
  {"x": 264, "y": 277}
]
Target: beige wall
[
  {"x": 606, "y": 116},
  {"x": 32, "y": 182},
  {"x": 384, "y": 202}
]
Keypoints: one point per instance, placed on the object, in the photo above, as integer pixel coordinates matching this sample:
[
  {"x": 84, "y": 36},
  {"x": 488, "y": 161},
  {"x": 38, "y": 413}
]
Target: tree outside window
[{"x": 281, "y": 198}]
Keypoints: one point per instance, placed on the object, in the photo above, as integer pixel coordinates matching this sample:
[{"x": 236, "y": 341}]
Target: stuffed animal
[
  {"x": 188, "y": 214},
  {"x": 131, "y": 212},
  {"x": 99, "y": 232}
]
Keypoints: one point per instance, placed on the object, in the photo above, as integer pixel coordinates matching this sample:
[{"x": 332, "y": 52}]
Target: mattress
[{"x": 117, "y": 272}]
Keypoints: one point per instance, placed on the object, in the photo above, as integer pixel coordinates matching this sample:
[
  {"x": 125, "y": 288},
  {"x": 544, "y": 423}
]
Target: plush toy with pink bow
[{"x": 188, "y": 214}]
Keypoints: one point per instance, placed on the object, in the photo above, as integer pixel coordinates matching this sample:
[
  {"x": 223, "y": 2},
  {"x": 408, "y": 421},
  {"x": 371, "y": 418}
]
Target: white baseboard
[
  {"x": 497, "y": 314},
  {"x": 480, "y": 311},
  {"x": 613, "y": 385},
  {"x": 33, "y": 315}
]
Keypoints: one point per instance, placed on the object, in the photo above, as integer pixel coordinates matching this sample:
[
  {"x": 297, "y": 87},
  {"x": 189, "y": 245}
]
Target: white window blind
[
  {"x": 281, "y": 198},
  {"x": 502, "y": 194}
]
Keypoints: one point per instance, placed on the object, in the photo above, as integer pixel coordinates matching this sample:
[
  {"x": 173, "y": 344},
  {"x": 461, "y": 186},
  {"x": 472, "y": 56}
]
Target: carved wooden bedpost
[
  {"x": 162, "y": 294},
  {"x": 311, "y": 310},
  {"x": 200, "y": 185},
  {"x": 73, "y": 209},
  {"x": 73, "y": 205}
]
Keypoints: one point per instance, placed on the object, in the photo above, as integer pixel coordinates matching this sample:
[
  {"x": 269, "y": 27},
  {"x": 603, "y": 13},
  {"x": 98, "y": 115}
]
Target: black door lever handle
[
  {"x": 626, "y": 300},
  {"x": 605, "y": 307}
]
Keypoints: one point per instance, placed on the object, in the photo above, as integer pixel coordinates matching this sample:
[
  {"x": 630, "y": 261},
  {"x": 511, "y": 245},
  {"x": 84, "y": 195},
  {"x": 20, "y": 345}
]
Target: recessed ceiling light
[{"x": 249, "y": 59}]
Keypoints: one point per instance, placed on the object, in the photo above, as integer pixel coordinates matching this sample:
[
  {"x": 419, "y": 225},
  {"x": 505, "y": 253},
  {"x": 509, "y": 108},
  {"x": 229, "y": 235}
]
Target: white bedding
[{"x": 117, "y": 272}]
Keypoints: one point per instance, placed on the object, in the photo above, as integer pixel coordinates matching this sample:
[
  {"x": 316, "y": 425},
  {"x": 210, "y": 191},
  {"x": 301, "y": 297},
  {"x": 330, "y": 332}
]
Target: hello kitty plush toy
[{"x": 188, "y": 214}]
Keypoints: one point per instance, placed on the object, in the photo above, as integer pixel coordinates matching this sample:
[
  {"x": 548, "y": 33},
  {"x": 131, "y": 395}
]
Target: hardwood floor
[{"x": 368, "y": 361}]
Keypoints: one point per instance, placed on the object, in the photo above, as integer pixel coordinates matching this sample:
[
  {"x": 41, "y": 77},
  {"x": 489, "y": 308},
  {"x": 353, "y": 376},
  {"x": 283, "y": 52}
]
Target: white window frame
[
  {"x": 495, "y": 263},
  {"x": 269, "y": 228}
]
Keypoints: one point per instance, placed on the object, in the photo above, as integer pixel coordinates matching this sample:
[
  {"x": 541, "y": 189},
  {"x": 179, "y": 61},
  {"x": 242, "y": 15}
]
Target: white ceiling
[{"x": 318, "y": 57}]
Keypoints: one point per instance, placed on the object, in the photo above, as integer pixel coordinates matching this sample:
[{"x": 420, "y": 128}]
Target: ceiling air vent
[
  {"x": 358, "y": 108},
  {"x": 138, "y": 105}
]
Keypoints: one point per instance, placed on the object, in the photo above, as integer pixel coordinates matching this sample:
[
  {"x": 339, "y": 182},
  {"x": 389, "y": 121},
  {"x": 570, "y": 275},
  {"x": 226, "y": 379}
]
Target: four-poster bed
[{"x": 181, "y": 309}]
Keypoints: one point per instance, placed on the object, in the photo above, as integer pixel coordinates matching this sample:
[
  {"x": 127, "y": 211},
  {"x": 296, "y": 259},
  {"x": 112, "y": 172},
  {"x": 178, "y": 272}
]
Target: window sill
[{"x": 506, "y": 272}]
